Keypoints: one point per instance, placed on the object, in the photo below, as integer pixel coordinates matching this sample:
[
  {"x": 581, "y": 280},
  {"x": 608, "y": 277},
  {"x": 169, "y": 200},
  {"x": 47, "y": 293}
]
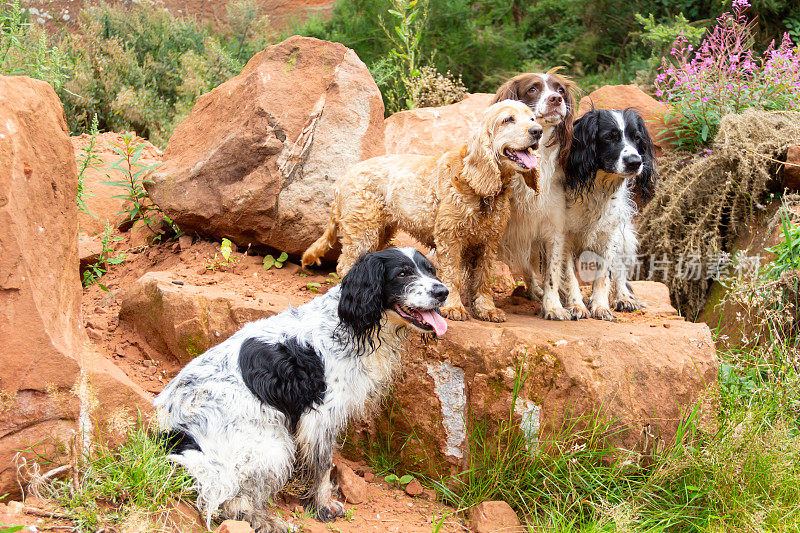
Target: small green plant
[
  {"x": 138, "y": 203},
  {"x": 401, "y": 67},
  {"x": 313, "y": 287},
  {"x": 106, "y": 257},
  {"x": 392, "y": 479},
  {"x": 25, "y": 48},
  {"x": 270, "y": 261},
  {"x": 333, "y": 279},
  {"x": 11, "y": 529},
  {"x": 12, "y": 24},
  {"x": 88, "y": 159},
  {"x": 223, "y": 259}
]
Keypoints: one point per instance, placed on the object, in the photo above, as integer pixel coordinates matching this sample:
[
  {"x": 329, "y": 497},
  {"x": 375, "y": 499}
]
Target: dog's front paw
[
  {"x": 330, "y": 511},
  {"x": 578, "y": 311},
  {"x": 556, "y": 313},
  {"x": 489, "y": 314},
  {"x": 601, "y": 312},
  {"x": 454, "y": 312},
  {"x": 628, "y": 304}
]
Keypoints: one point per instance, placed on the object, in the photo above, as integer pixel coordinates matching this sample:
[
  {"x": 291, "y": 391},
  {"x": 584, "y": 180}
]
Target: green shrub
[
  {"x": 25, "y": 48},
  {"x": 475, "y": 41},
  {"x": 135, "y": 67},
  {"x": 140, "y": 69}
]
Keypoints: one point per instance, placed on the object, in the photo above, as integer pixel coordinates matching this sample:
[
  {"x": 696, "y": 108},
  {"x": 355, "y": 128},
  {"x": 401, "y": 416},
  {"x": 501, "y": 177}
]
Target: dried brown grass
[{"x": 704, "y": 200}]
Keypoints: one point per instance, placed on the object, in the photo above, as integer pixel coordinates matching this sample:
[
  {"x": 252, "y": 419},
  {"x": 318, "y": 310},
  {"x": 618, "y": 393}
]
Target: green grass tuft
[{"x": 136, "y": 478}]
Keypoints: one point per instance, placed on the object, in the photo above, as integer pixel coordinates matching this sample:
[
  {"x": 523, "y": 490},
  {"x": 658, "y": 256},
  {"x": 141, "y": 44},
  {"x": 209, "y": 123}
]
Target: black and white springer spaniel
[
  {"x": 610, "y": 162},
  {"x": 266, "y": 405}
]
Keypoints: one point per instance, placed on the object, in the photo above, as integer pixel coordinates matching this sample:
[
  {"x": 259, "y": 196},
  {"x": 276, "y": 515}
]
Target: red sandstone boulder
[
  {"x": 647, "y": 368},
  {"x": 183, "y": 320},
  {"x": 43, "y": 349},
  {"x": 624, "y": 96},
  {"x": 256, "y": 159},
  {"x": 433, "y": 130},
  {"x": 790, "y": 177}
]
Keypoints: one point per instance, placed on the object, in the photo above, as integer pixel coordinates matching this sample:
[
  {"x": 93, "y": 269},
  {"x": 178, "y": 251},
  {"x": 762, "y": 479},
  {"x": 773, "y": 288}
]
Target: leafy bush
[
  {"x": 659, "y": 38},
  {"x": 723, "y": 76},
  {"x": 136, "y": 67},
  {"x": 477, "y": 41},
  {"x": 24, "y": 48}
]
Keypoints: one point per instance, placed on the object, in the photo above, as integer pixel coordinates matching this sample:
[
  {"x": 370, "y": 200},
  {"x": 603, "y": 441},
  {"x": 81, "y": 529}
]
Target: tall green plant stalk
[
  {"x": 12, "y": 24},
  {"x": 410, "y": 18},
  {"x": 86, "y": 160}
]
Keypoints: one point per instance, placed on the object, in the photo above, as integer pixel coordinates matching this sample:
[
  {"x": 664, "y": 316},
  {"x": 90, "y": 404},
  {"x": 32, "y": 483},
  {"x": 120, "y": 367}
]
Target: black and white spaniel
[
  {"x": 610, "y": 162},
  {"x": 266, "y": 405}
]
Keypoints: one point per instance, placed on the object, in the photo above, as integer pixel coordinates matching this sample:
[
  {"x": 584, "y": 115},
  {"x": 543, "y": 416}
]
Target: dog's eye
[
  {"x": 561, "y": 91},
  {"x": 508, "y": 120},
  {"x": 402, "y": 274},
  {"x": 533, "y": 90}
]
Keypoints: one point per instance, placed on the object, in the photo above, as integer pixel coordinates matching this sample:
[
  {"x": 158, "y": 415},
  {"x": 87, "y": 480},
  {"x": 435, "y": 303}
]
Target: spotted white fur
[{"x": 248, "y": 453}]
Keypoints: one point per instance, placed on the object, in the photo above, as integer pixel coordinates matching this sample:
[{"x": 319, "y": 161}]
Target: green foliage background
[
  {"x": 141, "y": 68},
  {"x": 485, "y": 41}
]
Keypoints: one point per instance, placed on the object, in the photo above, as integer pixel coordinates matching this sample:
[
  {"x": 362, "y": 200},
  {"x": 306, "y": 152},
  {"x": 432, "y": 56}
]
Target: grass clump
[
  {"x": 134, "y": 481},
  {"x": 743, "y": 477}
]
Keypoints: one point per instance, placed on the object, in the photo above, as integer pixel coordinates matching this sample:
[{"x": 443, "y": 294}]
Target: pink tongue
[
  {"x": 530, "y": 160},
  {"x": 435, "y": 320}
]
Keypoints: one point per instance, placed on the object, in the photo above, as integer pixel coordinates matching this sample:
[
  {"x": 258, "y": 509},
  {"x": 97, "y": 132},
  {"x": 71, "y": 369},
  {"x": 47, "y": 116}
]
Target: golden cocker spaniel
[{"x": 457, "y": 203}]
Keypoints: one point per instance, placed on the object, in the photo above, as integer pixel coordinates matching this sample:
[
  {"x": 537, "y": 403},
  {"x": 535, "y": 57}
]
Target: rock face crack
[
  {"x": 450, "y": 388},
  {"x": 293, "y": 155}
]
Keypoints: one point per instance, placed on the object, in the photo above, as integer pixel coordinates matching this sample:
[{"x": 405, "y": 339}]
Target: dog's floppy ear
[
  {"x": 481, "y": 171},
  {"x": 646, "y": 181},
  {"x": 581, "y": 166},
  {"x": 564, "y": 131},
  {"x": 508, "y": 91},
  {"x": 362, "y": 299}
]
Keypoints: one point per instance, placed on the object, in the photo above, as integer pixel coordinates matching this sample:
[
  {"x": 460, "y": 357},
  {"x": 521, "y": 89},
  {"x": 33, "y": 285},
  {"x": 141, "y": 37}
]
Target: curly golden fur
[{"x": 457, "y": 203}]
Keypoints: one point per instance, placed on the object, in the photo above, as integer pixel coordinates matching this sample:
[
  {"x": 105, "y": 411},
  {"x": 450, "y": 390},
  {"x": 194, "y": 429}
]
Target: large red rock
[
  {"x": 184, "y": 320},
  {"x": 433, "y": 130},
  {"x": 256, "y": 159},
  {"x": 643, "y": 371},
  {"x": 790, "y": 177},
  {"x": 43, "y": 350},
  {"x": 99, "y": 196},
  {"x": 625, "y": 96}
]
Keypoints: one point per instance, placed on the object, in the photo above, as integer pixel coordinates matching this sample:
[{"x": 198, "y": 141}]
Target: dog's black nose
[
  {"x": 440, "y": 292},
  {"x": 554, "y": 99},
  {"x": 536, "y": 132},
  {"x": 631, "y": 160}
]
